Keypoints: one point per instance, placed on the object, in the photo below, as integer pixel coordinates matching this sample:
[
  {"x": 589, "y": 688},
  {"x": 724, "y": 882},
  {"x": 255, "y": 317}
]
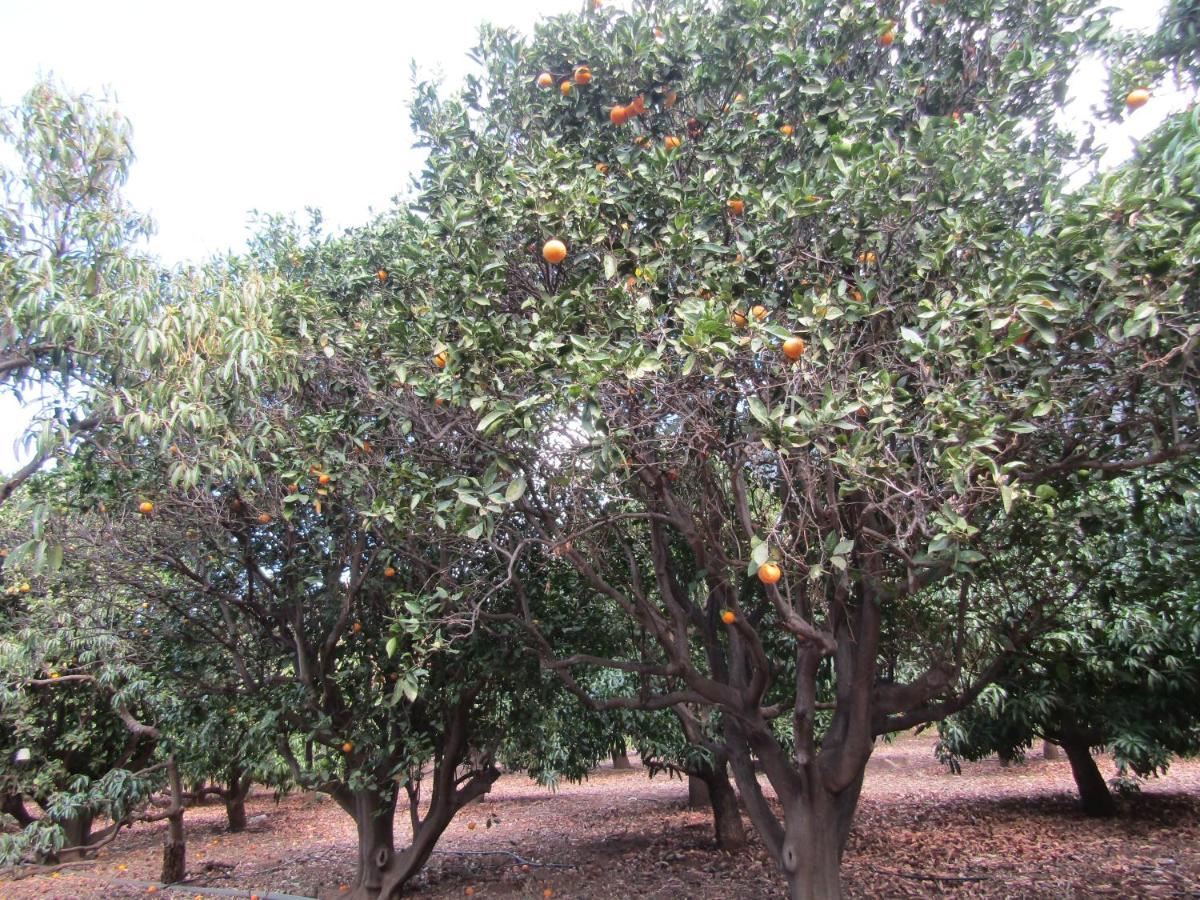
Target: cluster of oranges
[
  {"x": 619, "y": 115},
  {"x": 581, "y": 75}
]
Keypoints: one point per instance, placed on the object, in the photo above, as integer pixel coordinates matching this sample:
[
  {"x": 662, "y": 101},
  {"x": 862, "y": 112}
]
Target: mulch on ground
[{"x": 921, "y": 831}]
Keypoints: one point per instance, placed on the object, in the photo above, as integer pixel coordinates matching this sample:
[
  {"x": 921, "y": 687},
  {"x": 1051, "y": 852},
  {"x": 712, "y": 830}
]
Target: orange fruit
[
  {"x": 671, "y": 99},
  {"x": 582, "y": 74},
  {"x": 671, "y": 142},
  {"x": 739, "y": 98},
  {"x": 441, "y": 359},
  {"x": 759, "y": 312},
  {"x": 638, "y": 106},
  {"x": 152, "y": 890},
  {"x": 293, "y": 488},
  {"x": 264, "y": 518},
  {"x": 469, "y": 891},
  {"x": 554, "y": 251},
  {"x": 548, "y": 893},
  {"x": 323, "y": 479},
  {"x": 344, "y": 888},
  {"x": 602, "y": 168},
  {"x": 382, "y": 274},
  {"x": 887, "y": 39},
  {"x": 545, "y": 80},
  {"x": 356, "y": 627},
  {"x": 769, "y": 573},
  {"x": 389, "y": 572},
  {"x": 1136, "y": 98},
  {"x": 348, "y": 747},
  {"x": 145, "y": 507},
  {"x": 786, "y": 130},
  {"x": 470, "y": 826},
  {"x": 736, "y": 206},
  {"x": 565, "y": 87},
  {"x": 793, "y": 348},
  {"x": 618, "y": 114},
  {"x": 739, "y": 318},
  {"x": 728, "y": 617}
]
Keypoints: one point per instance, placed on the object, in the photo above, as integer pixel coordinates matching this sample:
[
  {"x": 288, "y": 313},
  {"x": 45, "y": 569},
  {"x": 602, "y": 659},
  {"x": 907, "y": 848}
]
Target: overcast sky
[{"x": 263, "y": 105}]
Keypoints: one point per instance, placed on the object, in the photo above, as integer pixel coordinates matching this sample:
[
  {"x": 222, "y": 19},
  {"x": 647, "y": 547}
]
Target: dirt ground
[{"x": 921, "y": 832}]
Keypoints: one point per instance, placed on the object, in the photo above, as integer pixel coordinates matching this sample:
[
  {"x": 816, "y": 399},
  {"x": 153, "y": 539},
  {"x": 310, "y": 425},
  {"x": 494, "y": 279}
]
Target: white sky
[{"x": 259, "y": 104}]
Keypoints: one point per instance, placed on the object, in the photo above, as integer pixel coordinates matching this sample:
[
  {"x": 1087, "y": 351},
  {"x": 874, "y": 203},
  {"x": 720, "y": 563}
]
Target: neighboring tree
[
  {"x": 72, "y": 287},
  {"x": 768, "y": 318},
  {"x": 74, "y": 703},
  {"x": 1118, "y": 667}
]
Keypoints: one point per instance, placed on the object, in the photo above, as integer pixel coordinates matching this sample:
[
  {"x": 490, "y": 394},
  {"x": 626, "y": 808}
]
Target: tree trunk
[
  {"x": 78, "y": 831},
  {"x": 1050, "y": 750},
  {"x": 235, "y": 799},
  {"x": 727, "y": 816},
  {"x": 174, "y": 858},
  {"x": 374, "y": 817},
  {"x": 14, "y": 805},
  {"x": 1093, "y": 791},
  {"x": 811, "y": 852},
  {"x": 698, "y": 793},
  {"x": 620, "y": 757}
]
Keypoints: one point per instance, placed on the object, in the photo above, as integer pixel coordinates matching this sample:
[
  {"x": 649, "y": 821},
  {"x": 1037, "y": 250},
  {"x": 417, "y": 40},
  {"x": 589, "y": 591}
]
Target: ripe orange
[
  {"x": 441, "y": 359},
  {"x": 786, "y": 130},
  {"x": 638, "y": 106},
  {"x": 671, "y": 142},
  {"x": 389, "y": 572},
  {"x": 469, "y": 891},
  {"x": 736, "y": 206},
  {"x": 759, "y": 312},
  {"x": 545, "y": 80},
  {"x": 618, "y": 114},
  {"x": 739, "y": 98},
  {"x": 323, "y": 479},
  {"x": 554, "y": 251},
  {"x": 887, "y": 39},
  {"x": 793, "y": 348},
  {"x": 565, "y": 87},
  {"x": 769, "y": 573},
  {"x": 582, "y": 74},
  {"x": 548, "y": 893},
  {"x": 264, "y": 518},
  {"x": 671, "y": 99},
  {"x": 382, "y": 274},
  {"x": 145, "y": 507},
  {"x": 1136, "y": 98},
  {"x": 348, "y": 747},
  {"x": 739, "y": 318},
  {"x": 728, "y": 617},
  {"x": 602, "y": 168},
  {"x": 470, "y": 826},
  {"x": 356, "y": 627},
  {"x": 293, "y": 488}
]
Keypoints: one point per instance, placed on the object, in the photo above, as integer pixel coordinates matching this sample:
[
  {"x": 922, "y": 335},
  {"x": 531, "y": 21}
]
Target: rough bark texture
[
  {"x": 620, "y": 759},
  {"x": 1050, "y": 750},
  {"x": 374, "y": 817},
  {"x": 78, "y": 831},
  {"x": 1093, "y": 791},
  {"x": 811, "y": 856},
  {"x": 727, "y": 817},
  {"x": 698, "y": 793}
]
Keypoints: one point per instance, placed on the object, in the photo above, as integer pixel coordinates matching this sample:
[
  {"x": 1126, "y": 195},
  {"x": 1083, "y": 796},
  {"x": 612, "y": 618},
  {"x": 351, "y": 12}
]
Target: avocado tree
[
  {"x": 767, "y": 310},
  {"x": 71, "y": 281},
  {"x": 1117, "y": 664}
]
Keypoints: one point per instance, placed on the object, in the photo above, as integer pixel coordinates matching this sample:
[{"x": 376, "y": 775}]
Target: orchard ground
[{"x": 990, "y": 832}]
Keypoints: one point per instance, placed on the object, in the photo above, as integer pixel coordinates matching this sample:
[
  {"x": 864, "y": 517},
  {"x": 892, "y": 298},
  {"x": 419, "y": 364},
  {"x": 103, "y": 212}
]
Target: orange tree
[{"x": 853, "y": 308}]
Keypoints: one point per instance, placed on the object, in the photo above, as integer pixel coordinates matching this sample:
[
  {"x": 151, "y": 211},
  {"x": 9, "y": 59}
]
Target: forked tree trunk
[{"x": 1093, "y": 790}]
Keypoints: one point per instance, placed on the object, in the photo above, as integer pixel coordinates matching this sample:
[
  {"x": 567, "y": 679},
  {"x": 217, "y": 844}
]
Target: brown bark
[
  {"x": 374, "y": 817},
  {"x": 78, "y": 831},
  {"x": 620, "y": 759},
  {"x": 1093, "y": 791},
  {"x": 1051, "y": 750},
  {"x": 174, "y": 858},
  {"x": 811, "y": 855},
  {"x": 698, "y": 797},
  {"x": 727, "y": 816}
]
